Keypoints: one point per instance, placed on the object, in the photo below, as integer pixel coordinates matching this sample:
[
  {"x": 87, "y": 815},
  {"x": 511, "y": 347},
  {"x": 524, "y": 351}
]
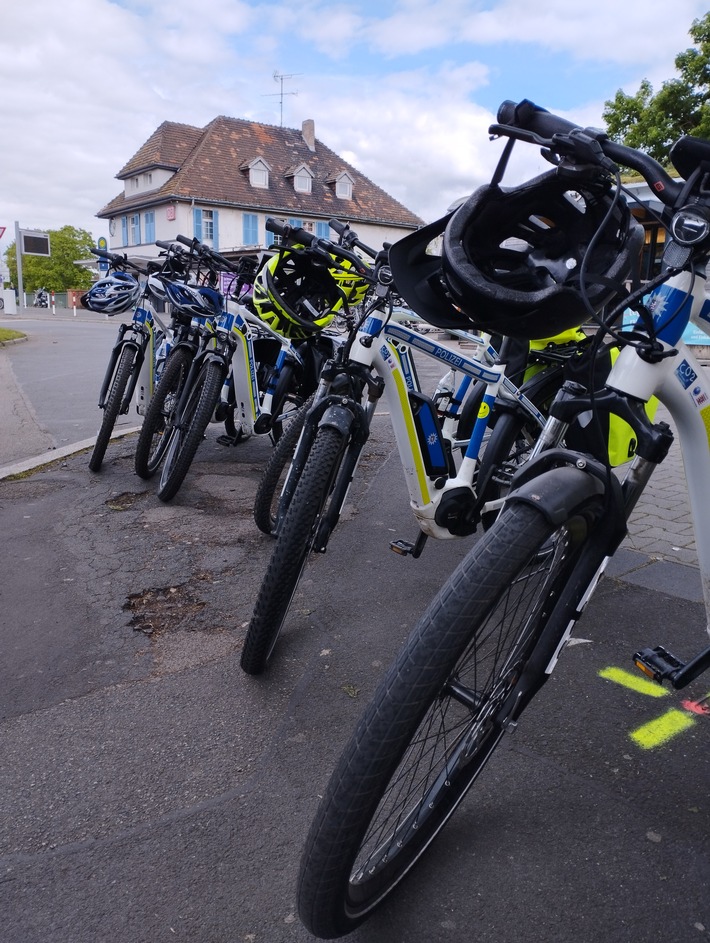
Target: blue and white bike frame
[
  {"x": 682, "y": 385},
  {"x": 385, "y": 350}
]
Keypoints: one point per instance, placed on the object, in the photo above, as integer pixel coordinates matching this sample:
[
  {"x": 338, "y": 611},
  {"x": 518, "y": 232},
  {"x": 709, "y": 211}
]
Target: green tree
[
  {"x": 652, "y": 122},
  {"x": 58, "y": 272}
]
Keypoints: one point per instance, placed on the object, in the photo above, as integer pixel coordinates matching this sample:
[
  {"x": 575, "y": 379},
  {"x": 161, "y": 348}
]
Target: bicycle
[
  {"x": 244, "y": 372},
  {"x": 375, "y": 361},
  {"x": 494, "y": 633},
  {"x": 190, "y": 334},
  {"x": 137, "y": 357}
]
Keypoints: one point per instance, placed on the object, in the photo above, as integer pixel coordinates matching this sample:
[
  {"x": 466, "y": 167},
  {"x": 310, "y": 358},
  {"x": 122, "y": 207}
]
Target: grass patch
[{"x": 7, "y": 335}]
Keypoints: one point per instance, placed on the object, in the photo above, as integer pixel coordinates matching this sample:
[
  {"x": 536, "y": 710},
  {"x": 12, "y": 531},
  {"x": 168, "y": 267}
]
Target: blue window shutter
[
  {"x": 197, "y": 222},
  {"x": 296, "y": 223},
  {"x": 322, "y": 230},
  {"x": 250, "y": 229},
  {"x": 215, "y": 230},
  {"x": 150, "y": 227},
  {"x": 124, "y": 230},
  {"x": 269, "y": 239}
]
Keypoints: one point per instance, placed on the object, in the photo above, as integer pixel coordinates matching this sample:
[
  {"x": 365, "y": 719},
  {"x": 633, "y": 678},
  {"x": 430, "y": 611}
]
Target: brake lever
[{"x": 584, "y": 146}]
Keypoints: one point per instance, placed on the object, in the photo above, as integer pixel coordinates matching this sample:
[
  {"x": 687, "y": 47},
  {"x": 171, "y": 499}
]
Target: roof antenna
[{"x": 278, "y": 77}]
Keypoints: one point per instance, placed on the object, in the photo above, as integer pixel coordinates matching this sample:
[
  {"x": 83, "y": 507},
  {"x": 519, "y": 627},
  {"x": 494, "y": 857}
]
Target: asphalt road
[
  {"x": 56, "y": 377},
  {"x": 150, "y": 791}
]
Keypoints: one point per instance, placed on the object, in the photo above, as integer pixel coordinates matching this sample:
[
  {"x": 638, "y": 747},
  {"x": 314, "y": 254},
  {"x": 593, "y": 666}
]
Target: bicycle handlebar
[
  {"x": 205, "y": 252},
  {"x": 118, "y": 261},
  {"x": 321, "y": 247},
  {"x": 529, "y": 122}
]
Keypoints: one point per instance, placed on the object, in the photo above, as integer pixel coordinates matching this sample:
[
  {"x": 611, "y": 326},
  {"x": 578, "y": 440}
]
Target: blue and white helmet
[
  {"x": 197, "y": 301},
  {"x": 114, "y": 294}
]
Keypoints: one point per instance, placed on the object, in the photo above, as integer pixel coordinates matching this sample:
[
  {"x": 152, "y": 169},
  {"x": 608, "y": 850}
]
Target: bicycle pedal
[
  {"x": 228, "y": 439},
  {"x": 657, "y": 663},
  {"x": 405, "y": 548}
]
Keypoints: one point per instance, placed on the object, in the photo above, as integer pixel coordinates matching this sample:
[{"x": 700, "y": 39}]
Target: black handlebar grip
[
  {"x": 337, "y": 226},
  {"x": 170, "y": 246},
  {"x": 185, "y": 241},
  {"x": 531, "y": 117},
  {"x": 275, "y": 226}
]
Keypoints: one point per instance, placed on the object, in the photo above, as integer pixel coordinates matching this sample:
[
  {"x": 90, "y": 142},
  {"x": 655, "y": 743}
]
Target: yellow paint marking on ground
[
  {"x": 633, "y": 681},
  {"x": 662, "y": 729}
]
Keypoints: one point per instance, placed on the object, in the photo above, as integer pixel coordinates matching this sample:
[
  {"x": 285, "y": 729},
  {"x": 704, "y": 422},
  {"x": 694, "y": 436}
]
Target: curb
[{"x": 55, "y": 455}]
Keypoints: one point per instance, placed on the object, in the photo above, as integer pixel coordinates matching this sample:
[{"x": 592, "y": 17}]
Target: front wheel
[
  {"x": 435, "y": 719},
  {"x": 160, "y": 415},
  {"x": 293, "y": 545},
  {"x": 190, "y": 427},
  {"x": 112, "y": 407},
  {"x": 268, "y": 494}
]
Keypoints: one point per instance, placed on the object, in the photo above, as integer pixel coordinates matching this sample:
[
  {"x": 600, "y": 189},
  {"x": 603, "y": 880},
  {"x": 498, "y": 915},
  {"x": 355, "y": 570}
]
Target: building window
[
  {"x": 259, "y": 175},
  {"x": 344, "y": 188},
  {"x": 302, "y": 181},
  {"x": 147, "y": 180},
  {"x": 250, "y": 229},
  {"x": 322, "y": 230},
  {"x": 205, "y": 223},
  {"x": 208, "y": 227},
  {"x": 134, "y": 224},
  {"x": 135, "y": 183},
  {"x": 149, "y": 222}
]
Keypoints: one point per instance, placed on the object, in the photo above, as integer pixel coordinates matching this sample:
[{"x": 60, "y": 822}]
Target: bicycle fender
[
  {"x": 338, "y": 417},
  {"x": 559, "y": 492}
]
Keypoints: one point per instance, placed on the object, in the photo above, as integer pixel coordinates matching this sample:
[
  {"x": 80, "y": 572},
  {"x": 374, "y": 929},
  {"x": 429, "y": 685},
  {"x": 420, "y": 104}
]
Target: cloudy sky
[{"x": 404, "y": 90}]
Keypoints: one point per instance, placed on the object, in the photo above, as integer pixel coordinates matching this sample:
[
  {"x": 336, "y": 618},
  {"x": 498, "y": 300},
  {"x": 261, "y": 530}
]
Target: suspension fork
[
  {"x": 139, "y": 344},
  {"x": 203, "y": 354}
]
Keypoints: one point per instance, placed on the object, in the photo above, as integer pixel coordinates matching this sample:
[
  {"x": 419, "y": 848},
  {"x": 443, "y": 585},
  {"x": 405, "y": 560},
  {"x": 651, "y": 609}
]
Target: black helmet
[{"x": 511, "y": 258}]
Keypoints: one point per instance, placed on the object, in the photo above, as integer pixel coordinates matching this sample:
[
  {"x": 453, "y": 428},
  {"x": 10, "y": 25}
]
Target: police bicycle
[
  {"x": 493, "y": 634},
  {"x": 440, "y": 439},
  {"x": 138, "y": 354}
]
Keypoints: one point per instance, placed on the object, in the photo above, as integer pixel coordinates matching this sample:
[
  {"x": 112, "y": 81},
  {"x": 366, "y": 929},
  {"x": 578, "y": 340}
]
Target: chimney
[{"x": 308, "y": 131}]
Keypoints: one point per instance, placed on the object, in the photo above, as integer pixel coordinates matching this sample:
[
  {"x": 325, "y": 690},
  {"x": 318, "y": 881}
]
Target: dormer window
[
  {"x": 303, "y": 180},
  {"x": 342, "y": 183},
  {"x": 344, "y": 187},
  {"x": 259, "y": 174}
]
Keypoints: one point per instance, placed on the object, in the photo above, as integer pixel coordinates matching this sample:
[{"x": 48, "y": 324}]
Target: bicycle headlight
[{"x": 691, "y": 225}]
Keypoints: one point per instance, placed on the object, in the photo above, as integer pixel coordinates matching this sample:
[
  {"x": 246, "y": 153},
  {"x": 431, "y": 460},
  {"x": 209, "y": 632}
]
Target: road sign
[
  {"x": 35, "y": 242},
  {"x": 103, "y": 245}
]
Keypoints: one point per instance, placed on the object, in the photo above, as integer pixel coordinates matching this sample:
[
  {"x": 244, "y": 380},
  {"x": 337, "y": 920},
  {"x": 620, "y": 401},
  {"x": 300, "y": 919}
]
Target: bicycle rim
[{"x": 458, "y": 733}]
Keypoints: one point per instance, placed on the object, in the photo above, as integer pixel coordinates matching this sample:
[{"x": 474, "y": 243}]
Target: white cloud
[{"x": 85, "y": 83}]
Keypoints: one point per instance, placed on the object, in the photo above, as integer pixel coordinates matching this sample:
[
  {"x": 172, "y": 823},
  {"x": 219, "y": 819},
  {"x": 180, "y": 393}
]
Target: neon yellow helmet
[
  {"x": 295, "y": 294},
  {"x": 353, "y": 286}
]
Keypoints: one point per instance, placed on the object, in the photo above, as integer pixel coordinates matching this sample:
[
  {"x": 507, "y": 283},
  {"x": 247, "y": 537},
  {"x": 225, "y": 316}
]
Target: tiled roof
[
  {"x": 168, "y": 146},
  {"x": 210, "y": 168}
]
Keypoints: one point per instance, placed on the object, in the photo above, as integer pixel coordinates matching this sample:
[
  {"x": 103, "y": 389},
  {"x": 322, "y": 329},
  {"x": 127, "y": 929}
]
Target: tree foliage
[
  {"x": 58, "y": 272},
  {"x": 653, "y": 122}
]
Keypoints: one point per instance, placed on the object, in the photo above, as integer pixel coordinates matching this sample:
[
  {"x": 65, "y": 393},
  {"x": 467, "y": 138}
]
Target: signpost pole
[{"x": 18, "y": 256}]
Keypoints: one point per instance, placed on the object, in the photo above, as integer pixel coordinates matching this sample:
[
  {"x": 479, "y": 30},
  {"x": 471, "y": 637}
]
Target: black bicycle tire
[
  {"x": 510, "y": 442},
  {"x": 196, "y": 416},
  {"x": 149, "y": 456},
  {"x": 266, "y": 503},
  {"x": 286, "y": 387},
  {"x": 293, "y": 545},
  {"x": 112, "y": 408},
  {"x": 329, "y": 903}
]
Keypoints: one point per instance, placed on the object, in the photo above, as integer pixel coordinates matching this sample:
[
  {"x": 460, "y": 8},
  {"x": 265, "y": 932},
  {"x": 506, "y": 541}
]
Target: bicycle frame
[
  {"x": 679, "y": 382},
  {"x": 382, "y": 350},
  {"x": 237, "y": 331},
  {"x": 140, "y": 334},
  {"x": 681, "y": 385}
]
